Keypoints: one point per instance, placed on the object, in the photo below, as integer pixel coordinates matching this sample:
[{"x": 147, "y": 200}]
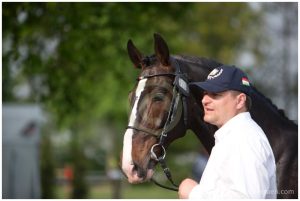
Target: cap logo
[
  {"x": 214, "y": 73},
  {"x": 245, "y": 81}
]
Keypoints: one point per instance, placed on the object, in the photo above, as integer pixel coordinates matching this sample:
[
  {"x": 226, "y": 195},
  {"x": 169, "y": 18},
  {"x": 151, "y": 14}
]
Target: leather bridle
[{"x": 177, "y": 106}]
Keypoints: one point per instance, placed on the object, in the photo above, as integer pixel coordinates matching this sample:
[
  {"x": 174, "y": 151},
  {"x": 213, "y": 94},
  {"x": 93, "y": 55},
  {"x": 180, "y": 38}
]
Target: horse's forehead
[
  {"x": 159, "y": 81},
  {"x": 156, "y": 69}
]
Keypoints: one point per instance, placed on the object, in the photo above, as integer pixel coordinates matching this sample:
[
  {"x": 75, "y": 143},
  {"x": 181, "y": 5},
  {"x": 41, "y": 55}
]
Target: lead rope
[
  {"x": 166, "y": 170},
  {"x": 163, "y": 186}
]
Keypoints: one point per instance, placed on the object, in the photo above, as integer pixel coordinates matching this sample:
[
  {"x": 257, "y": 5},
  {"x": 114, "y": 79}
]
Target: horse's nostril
[
  {"x": 135, "y": 167},
  {"x": 140, "y": 171}
]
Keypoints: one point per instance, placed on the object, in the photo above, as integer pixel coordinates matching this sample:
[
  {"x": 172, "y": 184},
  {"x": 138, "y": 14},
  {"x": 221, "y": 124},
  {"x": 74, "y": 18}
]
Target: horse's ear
[
  {"x": 134, "y": 54},
  {"x": 161, "y": 49}
]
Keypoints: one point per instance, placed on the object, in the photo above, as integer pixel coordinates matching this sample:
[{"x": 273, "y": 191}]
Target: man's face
[{"x": 220, "y": 107}]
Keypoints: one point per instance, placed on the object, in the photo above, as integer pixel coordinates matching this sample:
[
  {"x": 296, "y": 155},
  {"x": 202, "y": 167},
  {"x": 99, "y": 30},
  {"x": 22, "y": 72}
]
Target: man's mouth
[{"x": 208, "y": 110}]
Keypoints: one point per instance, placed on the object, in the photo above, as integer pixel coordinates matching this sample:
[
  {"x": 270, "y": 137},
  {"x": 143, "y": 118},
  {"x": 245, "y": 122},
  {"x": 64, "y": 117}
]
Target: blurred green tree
[
  {"x": 73, "y": 56},
  {"x": 47, "y": 166}
]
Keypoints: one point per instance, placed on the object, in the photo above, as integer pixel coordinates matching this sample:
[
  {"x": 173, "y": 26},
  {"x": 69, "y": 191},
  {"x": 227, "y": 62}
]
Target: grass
[
  {"x": 150, "y": 191},
  {"x": 128, "y": 191}
]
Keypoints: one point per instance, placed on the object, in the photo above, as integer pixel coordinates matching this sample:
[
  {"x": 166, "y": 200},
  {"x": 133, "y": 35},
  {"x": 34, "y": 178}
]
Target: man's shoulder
[
  {"x": 250, "y": 131},
  {"x": 249, "y": 126},
  {"x": 250, "y": 135}
]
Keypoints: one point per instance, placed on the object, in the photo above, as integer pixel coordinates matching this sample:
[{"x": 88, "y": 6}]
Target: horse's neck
[
  {"x": 278, "y": 128},
  {"x": 197, "y": 68},
  {"x": 264, "y": 112}
]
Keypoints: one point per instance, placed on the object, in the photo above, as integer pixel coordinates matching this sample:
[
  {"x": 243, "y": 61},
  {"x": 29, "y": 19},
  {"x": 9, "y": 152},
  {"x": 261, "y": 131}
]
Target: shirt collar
[{"x": 222, "y": 132}]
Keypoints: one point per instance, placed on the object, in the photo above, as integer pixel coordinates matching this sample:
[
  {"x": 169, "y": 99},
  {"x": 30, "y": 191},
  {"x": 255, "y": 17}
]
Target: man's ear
[{"x": 241, "y": 101}]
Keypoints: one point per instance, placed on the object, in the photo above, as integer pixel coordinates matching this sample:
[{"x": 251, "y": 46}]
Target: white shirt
[{"x": 241, "y": 164}]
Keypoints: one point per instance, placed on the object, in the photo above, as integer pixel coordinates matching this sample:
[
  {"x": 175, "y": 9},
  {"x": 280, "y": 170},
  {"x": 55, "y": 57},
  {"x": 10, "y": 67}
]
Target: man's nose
[{"x": 205, "y": 99}]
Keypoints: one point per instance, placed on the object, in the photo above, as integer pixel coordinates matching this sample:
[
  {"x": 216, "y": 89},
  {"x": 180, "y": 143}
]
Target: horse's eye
[{"x": 158, "y": 97}]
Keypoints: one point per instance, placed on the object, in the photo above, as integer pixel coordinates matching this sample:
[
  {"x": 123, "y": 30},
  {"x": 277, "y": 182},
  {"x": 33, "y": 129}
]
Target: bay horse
[{"x": 164, "y": 108}]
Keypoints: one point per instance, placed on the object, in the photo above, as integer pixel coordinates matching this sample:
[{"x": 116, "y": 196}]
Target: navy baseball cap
[{"x": 225, "y": 78}]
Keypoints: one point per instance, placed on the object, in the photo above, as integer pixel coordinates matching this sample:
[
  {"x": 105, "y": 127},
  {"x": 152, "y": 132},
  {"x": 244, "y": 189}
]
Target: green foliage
[
  {"x": 87, "y": 72},
  {"x": 79, "y": 185},
  {"x": 47, "y": 167},
  {"x": 86, "y": 75},
  {"x": 80, "y": 188}
]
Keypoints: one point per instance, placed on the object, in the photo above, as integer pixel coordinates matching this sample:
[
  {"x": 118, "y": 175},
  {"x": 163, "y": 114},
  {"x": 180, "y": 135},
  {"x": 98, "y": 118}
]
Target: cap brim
[{"x": 207, "y": 86}]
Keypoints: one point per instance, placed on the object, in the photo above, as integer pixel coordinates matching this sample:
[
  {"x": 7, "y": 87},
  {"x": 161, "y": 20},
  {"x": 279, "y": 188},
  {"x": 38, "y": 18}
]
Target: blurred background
[{"x": 66, "y": 77}]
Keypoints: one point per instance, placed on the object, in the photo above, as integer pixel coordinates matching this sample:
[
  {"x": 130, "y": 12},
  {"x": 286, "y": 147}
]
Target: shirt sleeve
[{"x": 241, "y": 167}]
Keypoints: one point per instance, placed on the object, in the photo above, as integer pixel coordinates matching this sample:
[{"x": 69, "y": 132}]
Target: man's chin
[{"x": 208, "y": 119}]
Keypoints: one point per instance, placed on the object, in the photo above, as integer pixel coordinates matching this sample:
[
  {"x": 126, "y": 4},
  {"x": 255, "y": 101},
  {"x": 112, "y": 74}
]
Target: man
[{"x": 241, "y": 164}]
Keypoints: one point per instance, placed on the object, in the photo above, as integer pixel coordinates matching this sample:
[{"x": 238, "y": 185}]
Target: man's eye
[{"x": 216, "y": 95}]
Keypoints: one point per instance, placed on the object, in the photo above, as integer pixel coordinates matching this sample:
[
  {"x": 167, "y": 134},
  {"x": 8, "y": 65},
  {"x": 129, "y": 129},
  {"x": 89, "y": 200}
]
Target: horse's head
[{"x": 150, "y": 101}]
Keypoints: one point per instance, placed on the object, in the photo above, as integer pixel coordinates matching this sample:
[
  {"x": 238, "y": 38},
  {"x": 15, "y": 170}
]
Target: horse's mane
[
  {"x": 211, "y": 64},
  {"x": 272, "y": 105}
]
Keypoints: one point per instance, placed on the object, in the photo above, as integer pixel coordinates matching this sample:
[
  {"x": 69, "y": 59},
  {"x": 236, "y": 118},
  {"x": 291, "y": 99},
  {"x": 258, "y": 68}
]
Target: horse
[{"x": 164, "y": 107}]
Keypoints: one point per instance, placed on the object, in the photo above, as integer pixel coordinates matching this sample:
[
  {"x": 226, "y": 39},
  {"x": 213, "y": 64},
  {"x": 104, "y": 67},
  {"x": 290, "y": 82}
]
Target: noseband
[{"x": 178, "y": 105}]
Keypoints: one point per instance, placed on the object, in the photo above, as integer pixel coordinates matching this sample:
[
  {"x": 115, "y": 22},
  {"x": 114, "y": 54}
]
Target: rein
[{"x": 178, "y": 104}]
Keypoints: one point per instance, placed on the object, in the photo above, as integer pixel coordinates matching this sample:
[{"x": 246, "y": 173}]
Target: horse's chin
[{"x": 135, "y": 179}]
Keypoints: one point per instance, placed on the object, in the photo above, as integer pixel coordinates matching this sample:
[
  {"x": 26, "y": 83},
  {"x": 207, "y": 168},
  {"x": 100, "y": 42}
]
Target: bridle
[{"x": 177, "y": 106}]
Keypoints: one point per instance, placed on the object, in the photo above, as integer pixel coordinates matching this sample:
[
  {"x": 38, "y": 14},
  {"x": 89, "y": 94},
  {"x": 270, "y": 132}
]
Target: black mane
[
  {"x": 210, "y": 63},
  {"x": 272, "y": 105}
]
